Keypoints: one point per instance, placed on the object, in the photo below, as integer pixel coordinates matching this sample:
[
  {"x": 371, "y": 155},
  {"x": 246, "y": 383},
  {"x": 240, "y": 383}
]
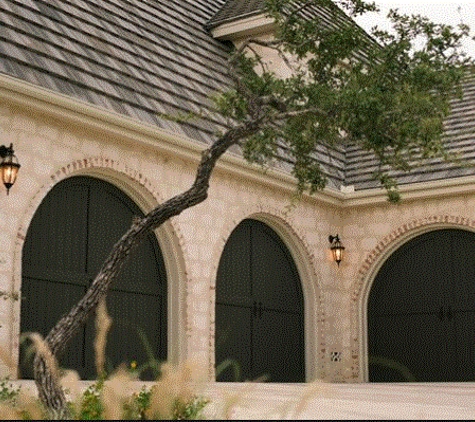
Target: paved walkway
[
  {"x": 343, "y": 401},
  {"x": 440, "y": 401}
]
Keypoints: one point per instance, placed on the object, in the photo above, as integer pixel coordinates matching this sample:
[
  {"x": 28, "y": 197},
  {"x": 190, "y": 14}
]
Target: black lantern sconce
[
  {"x": 337, "y": 248},
  {"x": 9, "y": 166}
]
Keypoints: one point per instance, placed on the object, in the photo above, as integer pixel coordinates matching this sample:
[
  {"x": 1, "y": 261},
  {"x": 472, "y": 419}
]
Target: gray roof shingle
[
  {"x": 459, "y": 139},
  {"x": 141, "y": 58},
  {"x": 147, "y": 58},
  {"x": 236, "y": 9}
]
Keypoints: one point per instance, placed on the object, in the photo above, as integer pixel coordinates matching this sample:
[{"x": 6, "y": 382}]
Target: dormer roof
[{"x": 236, "y": 10}]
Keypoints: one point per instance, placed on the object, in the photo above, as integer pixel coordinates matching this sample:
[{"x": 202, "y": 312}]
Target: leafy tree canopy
[{"x": 377, "y": 91}]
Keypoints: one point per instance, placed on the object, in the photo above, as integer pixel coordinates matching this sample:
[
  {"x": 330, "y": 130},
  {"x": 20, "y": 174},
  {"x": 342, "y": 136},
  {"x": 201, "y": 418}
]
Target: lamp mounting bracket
[{"x": 4, "y": 151}]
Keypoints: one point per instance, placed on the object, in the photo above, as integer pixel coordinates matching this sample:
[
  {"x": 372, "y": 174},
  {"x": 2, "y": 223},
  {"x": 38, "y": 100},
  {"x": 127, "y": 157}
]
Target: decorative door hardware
[
  {"x": 257, "y": 309},
  {"x": 445, "y": 313}
]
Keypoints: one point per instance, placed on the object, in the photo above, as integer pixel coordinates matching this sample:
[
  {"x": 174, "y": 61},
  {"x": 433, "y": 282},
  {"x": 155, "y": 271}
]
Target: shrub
[{"x": 92, "y": 404}]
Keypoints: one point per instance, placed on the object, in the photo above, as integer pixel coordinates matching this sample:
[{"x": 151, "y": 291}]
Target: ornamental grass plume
[
  {"x": 42, "y": 349},
  {"x": 70, "y": 383},
  {"x": 317, "y": 388},
  {"x": 103, "y": 325},
  {"x": 10, "y": 413},
  {"x": 174, "y": 392},
  {"x": 116, "y": 394},
  {"x": 30, "y": 407},
  {"x": 171, "y": 397}
]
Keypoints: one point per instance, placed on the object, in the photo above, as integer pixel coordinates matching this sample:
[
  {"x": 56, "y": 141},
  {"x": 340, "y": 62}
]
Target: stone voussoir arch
[
  {"x": 101, "y": 167},
  {"x": 295, "y": 239},
  {"x": 141, "y": 190},
  {"x": 369, "y": 269}
]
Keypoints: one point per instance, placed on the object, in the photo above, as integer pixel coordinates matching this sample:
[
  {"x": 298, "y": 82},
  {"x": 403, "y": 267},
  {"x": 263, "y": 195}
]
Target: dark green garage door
[
  {"x": 70, "y": 235},
  {"x": 259, "y": 308},
  {"x": 421, "y": 311}
]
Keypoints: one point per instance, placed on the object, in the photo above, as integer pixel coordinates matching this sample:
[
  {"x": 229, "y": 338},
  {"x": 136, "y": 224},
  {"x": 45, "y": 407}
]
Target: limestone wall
[
  {"x": 51, "y": 149},
  {"x": 54, "y": 142},
  {"x": 371, "y": 234}
]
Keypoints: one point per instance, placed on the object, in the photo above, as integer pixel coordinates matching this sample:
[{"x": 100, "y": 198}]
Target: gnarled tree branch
[{"x": 50, "y": 392}]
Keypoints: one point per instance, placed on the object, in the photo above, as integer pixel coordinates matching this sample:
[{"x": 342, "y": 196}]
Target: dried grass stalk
[
  {"x": 317, "y": 388},
  {"x": 116, "y": 393},
  {"x": 233, "y": 400},
  {"x": 30, "y": 405},
  {"x": 176, "y": 384},
  {"x": 44, "y": 351},
  {"x": 9, "y": 413},
  {"x": 230, "y": 402},
  {"x": 70, "y": 383},
  {"x": 163, "y": 393},
  {"x": 103, "y": 325}
]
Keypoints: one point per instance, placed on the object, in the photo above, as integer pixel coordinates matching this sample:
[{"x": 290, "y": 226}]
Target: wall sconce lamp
[
  {"x": 9, "y": 166},
  {"x": 337, "y": 248}
]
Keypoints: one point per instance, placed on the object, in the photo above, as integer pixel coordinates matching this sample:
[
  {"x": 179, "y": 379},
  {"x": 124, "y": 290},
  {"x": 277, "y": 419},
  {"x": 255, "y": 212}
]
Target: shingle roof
[
  {"x": 147, "y": 58},
  {"x": 459, "y": 138},
  {"x": 236, "y": 9},
  {"x": 140, "y": 58}
]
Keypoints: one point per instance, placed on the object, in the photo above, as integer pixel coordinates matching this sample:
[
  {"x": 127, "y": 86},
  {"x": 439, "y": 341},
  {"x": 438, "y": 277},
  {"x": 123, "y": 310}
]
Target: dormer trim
[{"x": 243, "y": 27}]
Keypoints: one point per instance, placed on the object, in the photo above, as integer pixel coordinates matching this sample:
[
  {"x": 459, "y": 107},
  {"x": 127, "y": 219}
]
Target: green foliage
[
  {"x": 230, "y": 365},
  {"x": 91, "y": 407},
  {"x": 402, "y": 369},
  {"x": 140, "y": 402},
  {"x": 190, "y": 410},
  {"x": 8, "y": 393},
  {"x": 10, "y": 399},
  {"x": 344, "y": 86},
  {"x": 135, "y": 408}
]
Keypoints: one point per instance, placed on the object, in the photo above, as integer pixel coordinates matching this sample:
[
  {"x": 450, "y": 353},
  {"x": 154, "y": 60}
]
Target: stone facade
[
  {"x": 53, "y": 145},
  {"x": 51, "y": 150}
]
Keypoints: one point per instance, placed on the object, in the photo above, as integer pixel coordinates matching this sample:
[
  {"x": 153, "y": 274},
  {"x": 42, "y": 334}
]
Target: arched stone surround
[
  {"x": 170, "y": 239},
  {"x": 295, "y": 240},
  {"x": 368, "y": 271}
]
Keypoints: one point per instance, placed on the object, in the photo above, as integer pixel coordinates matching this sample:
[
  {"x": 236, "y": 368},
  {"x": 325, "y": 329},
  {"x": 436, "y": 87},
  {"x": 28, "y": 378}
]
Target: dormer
[{"x": 239, "y": 19}]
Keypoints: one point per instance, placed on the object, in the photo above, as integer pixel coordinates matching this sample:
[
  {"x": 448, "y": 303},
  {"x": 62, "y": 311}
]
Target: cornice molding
[
  {"x": 414, "y": 192},
  {"x": 32, "y": 98}
]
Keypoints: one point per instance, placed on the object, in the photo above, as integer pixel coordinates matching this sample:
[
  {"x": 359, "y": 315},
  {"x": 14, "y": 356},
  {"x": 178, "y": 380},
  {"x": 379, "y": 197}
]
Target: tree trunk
[{"x": 50, "y": 392}]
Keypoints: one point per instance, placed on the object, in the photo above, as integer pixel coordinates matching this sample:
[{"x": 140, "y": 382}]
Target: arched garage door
[
  {"x": 259, "y": 307},
  {"x": 421, "y": 311},
  {"x": 71, "y": 234}
]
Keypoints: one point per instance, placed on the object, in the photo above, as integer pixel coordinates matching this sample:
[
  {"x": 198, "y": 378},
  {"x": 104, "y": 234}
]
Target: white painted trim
[
  {"x": 414, "y": 191},
  {"x": 256, "y": 24}
]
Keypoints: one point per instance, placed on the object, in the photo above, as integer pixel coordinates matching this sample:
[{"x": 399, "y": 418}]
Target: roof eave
[{"x": 244, "y": 26}]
